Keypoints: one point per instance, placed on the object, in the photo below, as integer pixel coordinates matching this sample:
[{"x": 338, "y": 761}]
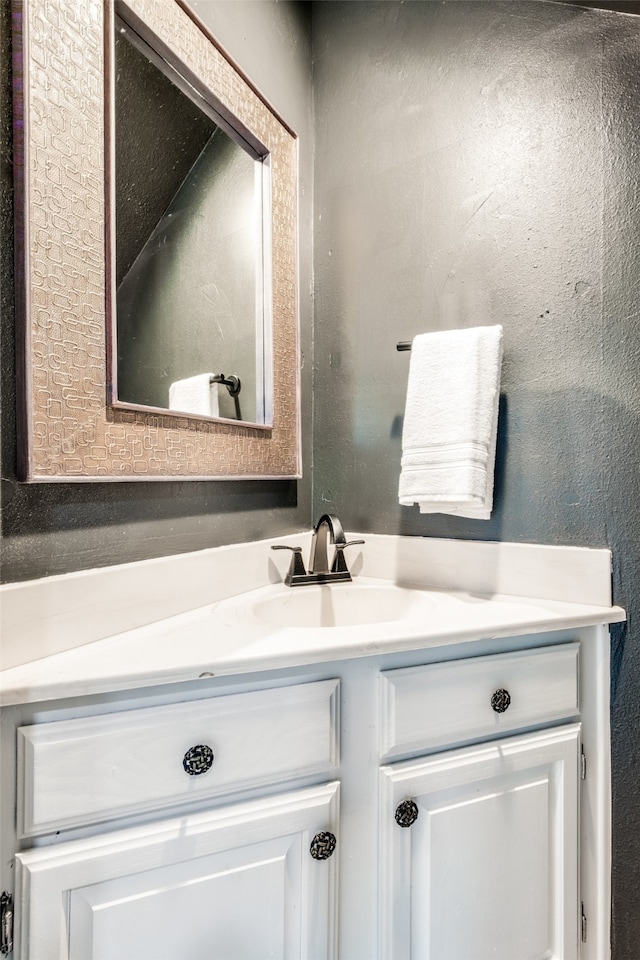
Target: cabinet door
[
  {"x": 489, "y": 869},
  {"x": 237, "y": 883}
]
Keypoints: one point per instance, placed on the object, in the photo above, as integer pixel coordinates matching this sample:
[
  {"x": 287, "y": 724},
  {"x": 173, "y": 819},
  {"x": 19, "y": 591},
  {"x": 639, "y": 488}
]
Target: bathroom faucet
[
  {"x": 327, "y": 526},
  {"x": 327, "y": 530}
]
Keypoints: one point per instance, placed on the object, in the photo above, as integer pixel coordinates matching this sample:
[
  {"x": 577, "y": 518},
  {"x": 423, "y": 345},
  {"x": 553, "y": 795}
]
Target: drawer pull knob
[
  {"x": 197, "y": 760},
  {"x": 406, "y": 813},
  {"x": 322, "y": 845},
  {"x": 500, "y": 700}
]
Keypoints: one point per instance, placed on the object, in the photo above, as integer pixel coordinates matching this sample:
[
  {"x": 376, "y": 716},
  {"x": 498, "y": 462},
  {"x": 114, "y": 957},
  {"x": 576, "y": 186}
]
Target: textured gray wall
[
  {"x": 54, "y": 528},
  {"x": 479, "y": 162}
]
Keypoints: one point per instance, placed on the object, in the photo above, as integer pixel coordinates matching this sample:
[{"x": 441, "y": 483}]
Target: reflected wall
[{"x": 189, "y": 265}]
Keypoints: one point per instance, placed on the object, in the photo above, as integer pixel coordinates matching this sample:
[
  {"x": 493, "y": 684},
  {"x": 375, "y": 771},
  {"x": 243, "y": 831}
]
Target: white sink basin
[{"x": 334, "y": 605}]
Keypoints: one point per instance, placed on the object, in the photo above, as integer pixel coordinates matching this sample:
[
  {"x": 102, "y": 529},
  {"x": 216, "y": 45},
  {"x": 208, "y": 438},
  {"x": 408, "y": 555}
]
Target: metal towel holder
[{"x": 233, "y": 385}]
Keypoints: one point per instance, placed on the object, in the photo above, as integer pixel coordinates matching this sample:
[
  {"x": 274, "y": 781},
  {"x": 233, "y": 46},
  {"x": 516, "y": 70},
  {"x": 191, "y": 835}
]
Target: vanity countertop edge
[{"x": 204, "y": 641}]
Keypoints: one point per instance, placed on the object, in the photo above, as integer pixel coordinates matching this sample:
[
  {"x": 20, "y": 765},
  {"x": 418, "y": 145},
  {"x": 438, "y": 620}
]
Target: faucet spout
[{"x": 327, "y": 529}]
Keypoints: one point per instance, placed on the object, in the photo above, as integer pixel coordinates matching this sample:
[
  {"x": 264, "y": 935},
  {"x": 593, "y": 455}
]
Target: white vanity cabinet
[
  {"x": 236, "y": 883},
  {"x": 421, "y": 805},
  {"x": 479, "y": 845},
  {"x": 489, "y": 866},
  {"x": 245, "y": 880}
]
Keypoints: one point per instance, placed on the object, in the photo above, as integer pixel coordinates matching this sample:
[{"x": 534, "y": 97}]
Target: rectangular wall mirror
[
  {"x": 192, "y": 304},
  {"x": 157, "y": 194}
]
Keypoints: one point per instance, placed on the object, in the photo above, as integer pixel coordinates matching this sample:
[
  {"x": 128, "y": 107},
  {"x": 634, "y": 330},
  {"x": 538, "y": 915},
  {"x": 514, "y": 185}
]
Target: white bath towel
[
  {"x": 450, "y": 423},
  {"x": 195, "y": 395}
]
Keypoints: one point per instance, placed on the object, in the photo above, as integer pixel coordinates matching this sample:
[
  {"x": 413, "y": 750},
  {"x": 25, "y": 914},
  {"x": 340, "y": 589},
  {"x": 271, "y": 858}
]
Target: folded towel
[
  {"x": 451, "y": 416},
  {"x": 195, "y": 395}
]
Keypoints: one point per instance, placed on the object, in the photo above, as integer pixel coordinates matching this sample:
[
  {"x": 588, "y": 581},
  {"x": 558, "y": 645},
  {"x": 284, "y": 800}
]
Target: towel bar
[
  {"x": 403, "y": 345},
  {"x": 233, "y": 385}
]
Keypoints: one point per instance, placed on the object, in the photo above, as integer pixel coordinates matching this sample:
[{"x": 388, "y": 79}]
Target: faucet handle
[
  {"x": 296, "y": 568},
  {"x": 339, "y": 564}
]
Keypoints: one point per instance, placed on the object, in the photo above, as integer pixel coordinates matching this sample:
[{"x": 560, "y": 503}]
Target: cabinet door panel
[
  {"x": 208, "y": 899},
  {"x": 489, "y": 870},
  {"x": 236, "y": 883}
]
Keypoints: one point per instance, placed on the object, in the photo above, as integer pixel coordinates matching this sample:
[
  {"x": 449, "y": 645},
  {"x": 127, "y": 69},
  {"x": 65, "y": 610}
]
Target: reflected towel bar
[{"x": 233, "y": 385}]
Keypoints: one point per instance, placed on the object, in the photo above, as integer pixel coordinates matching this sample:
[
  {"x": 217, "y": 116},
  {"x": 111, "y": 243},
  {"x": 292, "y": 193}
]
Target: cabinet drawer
[
  {"x": 446, "y": 703},
  {"x": 85, "y": 770}
]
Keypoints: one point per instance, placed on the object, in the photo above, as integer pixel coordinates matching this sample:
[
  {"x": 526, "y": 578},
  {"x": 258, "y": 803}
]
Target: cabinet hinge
[
  {"x": 583, "y": 923},
  {"x": 583, "y": 766},
  {"x": 6, "y": 923}
]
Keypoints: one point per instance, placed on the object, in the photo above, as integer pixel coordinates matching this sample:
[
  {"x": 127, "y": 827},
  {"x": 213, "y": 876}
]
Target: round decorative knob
[
  {"x": 197, "y": 760},
  {"x": 500, "y": 700},
  {"x": 322, "y": 845},
  {"x": 406, "y": 813}
]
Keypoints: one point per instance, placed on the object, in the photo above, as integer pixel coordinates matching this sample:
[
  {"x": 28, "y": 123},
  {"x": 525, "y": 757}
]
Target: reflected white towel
[
  {"x": 195, "y": 395},
  {"x": 450, "y": 423}
]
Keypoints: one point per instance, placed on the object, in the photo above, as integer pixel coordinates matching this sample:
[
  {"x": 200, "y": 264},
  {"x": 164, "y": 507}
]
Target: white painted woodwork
[
  {"x": 82, "y": 771},
  {"x": 237, "y": 883},
  {"x": 595, "y": 793},
  {"x": 447, "y": 703},
  {"x": 102, "y": 905},
  {"x": 489, "y": 870}
]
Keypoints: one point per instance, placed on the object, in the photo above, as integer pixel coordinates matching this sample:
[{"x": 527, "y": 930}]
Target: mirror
[
  {"x": 101, "y": 339},
  {"x": 190, "y": 328}
]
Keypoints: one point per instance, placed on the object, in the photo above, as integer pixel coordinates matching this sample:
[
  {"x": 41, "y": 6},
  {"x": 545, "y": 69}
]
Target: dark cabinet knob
[
  {"x": 500, "y": 700},
  {"x": 197, "y": 760},
  {"x": 322, "y": 845},
  {"x": 406, "y": 813}
]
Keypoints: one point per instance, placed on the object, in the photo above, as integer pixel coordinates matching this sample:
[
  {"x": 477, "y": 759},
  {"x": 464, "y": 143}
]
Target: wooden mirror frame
[{"x": 67, "y": 429}]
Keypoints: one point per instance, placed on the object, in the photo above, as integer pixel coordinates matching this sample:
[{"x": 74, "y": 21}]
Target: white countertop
[
  {"x": 216, "y": 640},
  {"x": 196, "y": 615}
]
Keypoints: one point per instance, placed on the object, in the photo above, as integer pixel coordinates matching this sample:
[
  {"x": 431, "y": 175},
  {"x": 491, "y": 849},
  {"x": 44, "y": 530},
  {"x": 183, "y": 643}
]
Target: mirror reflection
[{"x": 190, "y": 298}]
